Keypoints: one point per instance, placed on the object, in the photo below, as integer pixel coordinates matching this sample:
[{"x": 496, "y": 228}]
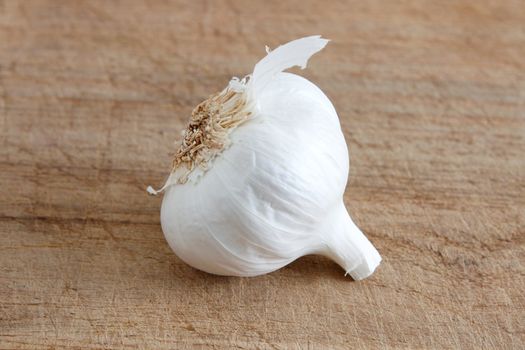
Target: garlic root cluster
[{"x": 259, "y": 177}]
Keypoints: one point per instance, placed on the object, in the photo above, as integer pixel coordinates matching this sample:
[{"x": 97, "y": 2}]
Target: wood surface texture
[{"x": 431, "y": 97}]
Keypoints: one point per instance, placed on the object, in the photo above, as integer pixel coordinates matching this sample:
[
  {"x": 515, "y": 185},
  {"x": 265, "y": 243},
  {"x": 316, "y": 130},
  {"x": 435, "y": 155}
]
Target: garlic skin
[{"x": 275, "y": 193}]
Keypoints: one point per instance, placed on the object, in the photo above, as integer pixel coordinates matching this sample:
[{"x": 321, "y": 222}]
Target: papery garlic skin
[{"x": 276, "y": 193}]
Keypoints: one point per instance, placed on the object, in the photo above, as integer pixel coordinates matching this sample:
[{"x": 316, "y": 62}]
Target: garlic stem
[{"x": 349, "y": 247}]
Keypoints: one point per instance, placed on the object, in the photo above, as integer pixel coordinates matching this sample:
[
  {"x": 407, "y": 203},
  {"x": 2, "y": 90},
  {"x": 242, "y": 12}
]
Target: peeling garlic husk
[{"x": 258, "y": 195}]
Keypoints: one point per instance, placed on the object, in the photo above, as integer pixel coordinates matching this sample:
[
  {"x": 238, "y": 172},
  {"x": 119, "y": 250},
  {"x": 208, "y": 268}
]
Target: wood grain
[{"x": 431, "y": 97}]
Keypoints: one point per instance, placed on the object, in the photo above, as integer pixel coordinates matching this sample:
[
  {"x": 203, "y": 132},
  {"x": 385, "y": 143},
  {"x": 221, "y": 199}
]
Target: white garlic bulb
[{"x": 259, "y": 178}]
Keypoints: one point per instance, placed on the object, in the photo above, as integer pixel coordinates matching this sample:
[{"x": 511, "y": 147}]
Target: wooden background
[{"x": 431, "y": 97}]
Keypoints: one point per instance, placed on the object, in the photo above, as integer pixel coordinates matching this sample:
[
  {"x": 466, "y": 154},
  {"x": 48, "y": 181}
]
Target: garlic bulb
[{"x": 259, "y": 177}]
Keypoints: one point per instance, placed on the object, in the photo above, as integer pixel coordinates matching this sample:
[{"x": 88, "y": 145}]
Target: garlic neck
[{"x": 348, "y": 246}]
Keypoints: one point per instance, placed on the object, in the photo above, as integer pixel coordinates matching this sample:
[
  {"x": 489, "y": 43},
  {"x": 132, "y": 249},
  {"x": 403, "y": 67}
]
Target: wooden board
[{"x": 431, "y": 97}]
